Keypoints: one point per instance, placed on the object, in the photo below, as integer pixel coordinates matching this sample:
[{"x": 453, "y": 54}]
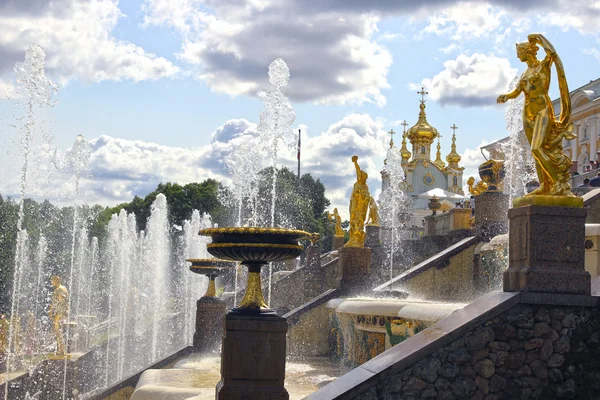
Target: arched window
[
  {"x": 454, "y": 181},
  {"x": 422, "y": 149}
]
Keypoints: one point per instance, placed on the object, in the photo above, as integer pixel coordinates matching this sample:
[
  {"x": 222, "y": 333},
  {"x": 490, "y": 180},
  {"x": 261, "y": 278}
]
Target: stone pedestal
[
  {"x": 253, "y": 358},
  {"x": 373, "y": 236},
  {"x": 338, "y": 242},
  {"x": 209, "y": 323},
  {"x": 491, "y": 209},
  {"x": 546, "y": 250},
  {"x": 52, "y": 374},
  {"x": 355, "y": 263},
  {"x": 313, "y": 281},
  {"x": 430, "y": 225}
]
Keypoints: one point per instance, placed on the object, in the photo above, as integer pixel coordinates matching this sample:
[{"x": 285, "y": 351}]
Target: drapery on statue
[
  {"x": 544, "y": 132},
  {"x": 59, "y": 310},
  {"x": 359, "y": 204},
  {"x": 373, "y": 213},
  {"x": 335, "y": 217}
]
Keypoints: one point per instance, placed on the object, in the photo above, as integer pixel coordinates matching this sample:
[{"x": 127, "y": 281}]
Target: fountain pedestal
[
  {"x": 546, "y": 250},
  {"x": 338, "y": 242},
  {"x": 209, "y": 323},
  {"x": 210, "y": 309},
  {"x": 253, "y": 358},
  {"x": 356, "y": 265},
  {"x": 490, "y": 214}
]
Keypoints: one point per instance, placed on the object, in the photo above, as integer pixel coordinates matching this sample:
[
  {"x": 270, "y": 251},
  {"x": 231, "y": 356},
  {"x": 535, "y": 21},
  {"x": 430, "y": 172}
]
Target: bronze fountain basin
[
  {"x": 211, "y": 268},
  {"x": 254, "y": 247}
]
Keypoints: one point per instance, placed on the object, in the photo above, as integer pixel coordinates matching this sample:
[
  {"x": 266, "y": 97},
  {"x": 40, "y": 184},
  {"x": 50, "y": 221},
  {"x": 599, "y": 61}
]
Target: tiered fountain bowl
[
  {"x": 211, "y": 268},
  {"x": 254, "y": 247}
]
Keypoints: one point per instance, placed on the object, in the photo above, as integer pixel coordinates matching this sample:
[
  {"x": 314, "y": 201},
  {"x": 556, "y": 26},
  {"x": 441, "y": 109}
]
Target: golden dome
[
  {"x": 453, "y": 157},
  {"x": 422, "y": 131},
  {"x": 404, "y": 151}
]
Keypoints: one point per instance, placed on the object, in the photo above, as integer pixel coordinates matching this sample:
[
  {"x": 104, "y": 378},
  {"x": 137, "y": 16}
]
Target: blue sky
[{"x": 171, "y": 73}]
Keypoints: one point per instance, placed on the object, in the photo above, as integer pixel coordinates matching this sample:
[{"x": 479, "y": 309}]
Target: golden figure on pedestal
[
  {"x": 59, "y": 311},
  {"x": 359, "y": 204},
  {"x": 335, "y": 217},
  {"x": 373, "y": 213},
  {"x": 543, "y": 131}
]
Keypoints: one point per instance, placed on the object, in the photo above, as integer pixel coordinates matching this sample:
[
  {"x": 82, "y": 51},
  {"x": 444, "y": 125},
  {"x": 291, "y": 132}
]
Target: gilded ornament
[
  {"x": 543, "y": 131},
  {"x": 373, "y": 213},
  {"x": 58, "y": 312},
  {"x": 359, "y": 204},
  {"x": 477, "y": 189},
  {"x": 335, "y": 217},
  {"x": 428, "y": 179}
]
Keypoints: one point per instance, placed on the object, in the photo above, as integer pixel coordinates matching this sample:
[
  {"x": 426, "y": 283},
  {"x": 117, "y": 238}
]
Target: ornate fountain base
[
  {"x": 546, "y": 250},
  {"x": 210, "y": 312},
  {"x": 253, "y": 358}
]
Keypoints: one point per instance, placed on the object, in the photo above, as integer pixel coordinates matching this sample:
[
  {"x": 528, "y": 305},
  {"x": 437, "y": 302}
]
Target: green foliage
[{"x": 302, "y": 202}]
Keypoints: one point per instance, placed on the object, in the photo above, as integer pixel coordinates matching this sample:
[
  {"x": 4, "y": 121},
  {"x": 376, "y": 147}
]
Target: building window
[
  {"x": 422, "y": 149},
  {"x": 585, "y": 133},
  {"x": 454, "y": 181}
]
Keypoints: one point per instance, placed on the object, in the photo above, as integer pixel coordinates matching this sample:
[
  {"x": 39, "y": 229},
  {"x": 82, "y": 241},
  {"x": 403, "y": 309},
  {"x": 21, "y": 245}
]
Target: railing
[
  {"x": 578, "y": 179},
  {"x": 441, "y": 224}
]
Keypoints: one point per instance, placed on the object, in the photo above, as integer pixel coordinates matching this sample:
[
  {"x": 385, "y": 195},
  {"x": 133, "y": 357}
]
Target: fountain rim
[
  {"x": 204, "y": 263},
  {"x": 254, "y": 230}
]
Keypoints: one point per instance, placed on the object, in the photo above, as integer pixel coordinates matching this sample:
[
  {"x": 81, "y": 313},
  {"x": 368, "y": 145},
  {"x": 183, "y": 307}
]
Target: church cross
[
  {"x": 454, "y": 128},
  {"x": 422, "y": 93},
  {"x": 404, "y": 124},
  {"x": 392, "y": 133}
]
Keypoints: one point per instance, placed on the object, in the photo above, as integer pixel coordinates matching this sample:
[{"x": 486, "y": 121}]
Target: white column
[
  {"x": 593, "y": 138},
  {"x": 575, "y": 146}
]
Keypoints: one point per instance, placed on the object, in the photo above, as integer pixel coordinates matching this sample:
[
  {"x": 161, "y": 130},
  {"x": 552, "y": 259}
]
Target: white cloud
[
  {"x": 592, "y": 51},
  {"x": 119, "y": 169},
  {"x": 465, "y": 20},
  {"x": 390, "y": 37},
  {"x": 470, "y": 80},
  {"x": 332, "y": 59},
  {"x": 77, "y": 37},
  {"x": 452, "y": 47}
]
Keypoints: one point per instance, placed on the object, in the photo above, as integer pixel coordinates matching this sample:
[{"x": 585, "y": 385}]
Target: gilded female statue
[
  {"x": 335, "y": 218},
  {"x": 359, "y": 205},
  {"x": 373, "y": 213},
  {"x": 544, "y": 132}
]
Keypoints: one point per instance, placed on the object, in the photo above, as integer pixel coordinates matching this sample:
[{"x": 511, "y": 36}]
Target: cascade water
[
  {"x": 519, "y": 164},
  {"x": 38, "y": 92},
  {"x": 393, "y": 203},
  {"x": 275, "y": 128}
]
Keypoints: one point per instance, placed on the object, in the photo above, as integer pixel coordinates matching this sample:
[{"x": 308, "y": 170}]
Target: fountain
[
  {"x": 210, "y": 309},
  {"x": 254, "y": 343}
]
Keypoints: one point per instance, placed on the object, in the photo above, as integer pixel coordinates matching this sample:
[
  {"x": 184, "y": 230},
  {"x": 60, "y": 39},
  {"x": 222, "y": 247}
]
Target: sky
[{"x": 165, "y": 90}]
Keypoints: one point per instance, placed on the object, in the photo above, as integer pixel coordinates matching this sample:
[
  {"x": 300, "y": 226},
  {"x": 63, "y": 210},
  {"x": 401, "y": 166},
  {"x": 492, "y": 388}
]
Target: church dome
[
  {"x": 422, "y": 131},
  {"x": 453, "y": 157},
  {"x": 404, "y": 151}
]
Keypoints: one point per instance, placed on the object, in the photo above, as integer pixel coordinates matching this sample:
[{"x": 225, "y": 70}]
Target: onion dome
[
  {"x": 422, "y": 132},
  {"x": 404, "y": 151},
  {"x": 453, "y": 157},
  {"x": 438, "y": 157}
]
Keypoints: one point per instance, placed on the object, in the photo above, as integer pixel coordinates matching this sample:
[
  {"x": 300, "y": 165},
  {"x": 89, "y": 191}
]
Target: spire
[
  {"x": 391, "y": 133},
  {"x": 453, "y": 157},
  {"x": 404, "y": 151},
  {"x": 438, "y": 156},
  {"x": 422, "y": 135}
]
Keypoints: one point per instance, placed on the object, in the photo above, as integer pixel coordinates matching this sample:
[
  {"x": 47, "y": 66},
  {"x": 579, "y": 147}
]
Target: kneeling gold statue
[{"x": 543, "y": 131}]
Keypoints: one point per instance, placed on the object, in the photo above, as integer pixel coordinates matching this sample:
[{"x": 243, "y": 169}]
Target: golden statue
[
  {"x": 477, "y": 189},
  {"x": 59, "y": 310},
  {"x": 373, "y": 213},
  {"x": 359, "y": 203},
  {"x": 335, "y": 217},
  {"x": 314, "y": 238},
  {"x": 543, "y": 131},
  {"x": 4, "y": 329}
]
